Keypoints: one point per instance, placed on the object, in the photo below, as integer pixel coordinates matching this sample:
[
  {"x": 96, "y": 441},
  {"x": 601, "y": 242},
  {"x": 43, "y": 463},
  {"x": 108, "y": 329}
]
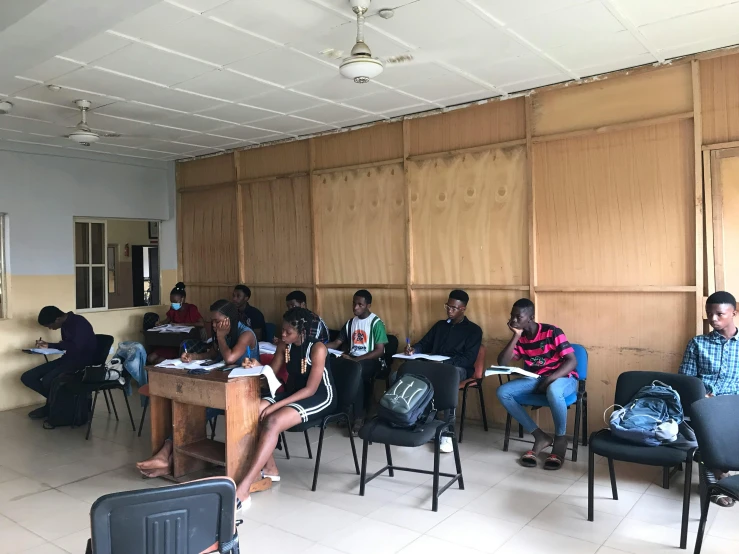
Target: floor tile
[
  {"x": 275, "y": 541},
  {"x": 603, "y": 501},
  {"x": 74, "y": 543},
  {"x": 639, "y": 537},
  {"x": 18, "y": 488},
  {"x": 537, "y": 541},
  {"x": 667, "y": 512},
  {"x": 516, "y": 506},
  {"x": 725, "y": 524},
  {"x": 310, "y": 520},
  {"x": 475, "y": 531},
  {"x": 432, "y": 545},
  {"x": 412, "y": 513},
  {"x": 16, "y": 538},
  {"x": 369, "y": 536},
  {"x": 536, "y": 480},
  {"x": 572, "y": 521},
  {"x": 630, "y": 477},
  {"x": 66, "y": 514},
  {"x": 47, "y": 548}
]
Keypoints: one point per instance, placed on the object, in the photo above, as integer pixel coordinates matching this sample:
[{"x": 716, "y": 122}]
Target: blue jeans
[{"x": 510, "y": 393}]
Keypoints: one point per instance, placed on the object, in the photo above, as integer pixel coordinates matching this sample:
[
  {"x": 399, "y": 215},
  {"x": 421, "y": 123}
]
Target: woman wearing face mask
[{"x": 181, "y": 313}]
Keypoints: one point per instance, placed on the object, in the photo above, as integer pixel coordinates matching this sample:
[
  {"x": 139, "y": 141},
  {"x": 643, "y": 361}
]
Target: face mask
[{"x": 176, "y": 305}]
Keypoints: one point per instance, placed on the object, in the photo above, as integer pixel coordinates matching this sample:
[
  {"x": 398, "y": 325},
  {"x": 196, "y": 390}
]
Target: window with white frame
[
  {"x": 90, "y": 260},
  {"x": 3, "y": 289}
]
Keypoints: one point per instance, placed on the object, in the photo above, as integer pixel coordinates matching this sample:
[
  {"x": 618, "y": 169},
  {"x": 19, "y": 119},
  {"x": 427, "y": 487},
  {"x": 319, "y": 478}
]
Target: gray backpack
[{"x": 408, "y": 403}]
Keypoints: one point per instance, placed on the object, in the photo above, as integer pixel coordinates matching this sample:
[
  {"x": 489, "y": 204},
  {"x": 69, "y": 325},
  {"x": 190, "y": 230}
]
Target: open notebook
[
  {"x": 430, "y": 357},
  {"x": 45, "y": 351},
  {"x": 507, "y": 370}
]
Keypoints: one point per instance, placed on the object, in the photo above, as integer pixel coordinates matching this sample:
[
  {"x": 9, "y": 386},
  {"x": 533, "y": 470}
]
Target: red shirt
[
  {"x": 188, "y": 313},
  {"x": 545, "y": 352}
]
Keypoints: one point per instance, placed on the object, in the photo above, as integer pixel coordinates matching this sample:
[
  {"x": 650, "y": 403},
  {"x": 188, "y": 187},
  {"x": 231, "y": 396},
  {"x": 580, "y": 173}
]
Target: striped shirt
[
  {"x": 715, "y": 361},
  {"x": 545, "y": 352}
]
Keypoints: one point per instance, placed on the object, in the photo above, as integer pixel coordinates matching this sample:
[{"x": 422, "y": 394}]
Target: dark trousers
[
  {"x": 40, "y": 378},
  {"x": 363, "y": 400}
]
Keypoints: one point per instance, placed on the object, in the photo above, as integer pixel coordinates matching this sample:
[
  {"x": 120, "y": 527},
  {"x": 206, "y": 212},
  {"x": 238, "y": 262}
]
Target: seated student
[
  {"x": 309, "y": 395},
  {"x": 79, "y": 345},
  {"x": 180, "y": 313},
  {"x": 232, "y": 340},
  {"x": 714, "y": 359},
  {"x": 365, "y": 337},
  {"x": 297, "y": 299},
  {"x": 544, "y": 350},
  {"x": 248, "y": 314}
]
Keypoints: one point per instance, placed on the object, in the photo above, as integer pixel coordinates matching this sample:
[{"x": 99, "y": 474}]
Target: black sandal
[
  {"x": 554, "y": 462},
  {"x": 716, "y": 498},
  {"x": 529, "y": 459}
]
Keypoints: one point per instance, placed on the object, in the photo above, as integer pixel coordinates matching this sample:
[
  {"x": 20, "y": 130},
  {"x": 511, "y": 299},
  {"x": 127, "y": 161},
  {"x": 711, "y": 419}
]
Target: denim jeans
[{"x": 510, "y": 393}]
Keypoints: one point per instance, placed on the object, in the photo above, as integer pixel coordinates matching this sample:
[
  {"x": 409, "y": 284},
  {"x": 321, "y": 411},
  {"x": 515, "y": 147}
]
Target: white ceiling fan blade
[{"x": 406, "y": 57}]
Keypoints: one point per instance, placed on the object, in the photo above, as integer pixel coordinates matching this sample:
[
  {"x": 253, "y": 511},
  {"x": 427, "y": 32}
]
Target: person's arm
[
  {"x": 339, "y": 342},
  {"x": 318, "y": 355},
  {"x": 569, "y": 362},
  {"x": 471, "y": 348},
  {"x": 232, "y": 355},
  {"x": 188, "y": 357},
  {"x": 376, "y": 354},
  {"x": 508, "y": 354},
  {"x": 689, "y": 365},
  {"x": 425, "y": 345}
]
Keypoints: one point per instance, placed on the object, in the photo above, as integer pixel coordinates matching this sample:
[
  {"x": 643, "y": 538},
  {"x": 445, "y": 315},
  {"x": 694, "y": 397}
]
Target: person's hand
[
  {"x": 42, "y": 344},
  {"x": 346, "y": 356},
  {"x": 409, "y": 351},
  {"x": 275, "y": 340},
  {"x": 268, "y": 410},
  {"x": 250, "y": 362},
  {"x": 515, "y": 330},
  {"x": 542, "y": 385},
  {"x": 223, "y": 327},
  {"x": 186, "y": 357}
]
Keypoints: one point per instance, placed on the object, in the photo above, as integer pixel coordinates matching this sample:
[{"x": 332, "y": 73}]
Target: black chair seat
[
  {"x": 728, "y": 485},
  {"x": 604, "y": 444},
  {"x": 379, "y": 431}
]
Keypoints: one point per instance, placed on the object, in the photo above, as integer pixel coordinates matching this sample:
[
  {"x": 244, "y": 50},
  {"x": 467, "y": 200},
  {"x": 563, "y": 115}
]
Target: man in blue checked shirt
[{"x": 714, "y": 358}]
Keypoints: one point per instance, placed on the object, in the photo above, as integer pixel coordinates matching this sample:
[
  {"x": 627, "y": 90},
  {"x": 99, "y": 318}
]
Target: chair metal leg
[
  {"x": 92, "y": 412},
  {"x": 107, "y": 404},
  {"x": 130, "y": 415},
  {"x": 143, "y": 416},
  {"x": 665, "y": 477},
  {"x": 464, "y": 412},
  {"x": 576, "y": 430},
  {"x": 591, "y": 483},
  {"x": 354, "y": 449},
  {"x": 507, "y": 437},
  {"x": 612, "y": 473},
  {"x": 115, "y": 412},
  {"x": 284, "y": 445},
  {"x": 318, "y": 457},
  {"x": 457, "y": 462},
  {"x": 435, "y": 495},
  {"x": 585, "y": 419},
  {"x": 686, "y": 500},
  {"x": 363, "y": 474},
  {"x": 389, "y": 458},
  {"x": 307, "y": 444},
  {"x": 482, "y": 407},
  {"x": 520, "y": 431},
  {"x": 705, "y": 504}
]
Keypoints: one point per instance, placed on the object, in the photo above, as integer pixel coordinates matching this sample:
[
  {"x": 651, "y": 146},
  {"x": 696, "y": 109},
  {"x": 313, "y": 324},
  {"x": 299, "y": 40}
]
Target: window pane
[
  {"x": 98, "y": 242},
  {"x": 81, "y": 254},
  {"x": 111, "y": 269},
  {"x": 82, "y": 286},
  {"x": 99, "y": 289}
]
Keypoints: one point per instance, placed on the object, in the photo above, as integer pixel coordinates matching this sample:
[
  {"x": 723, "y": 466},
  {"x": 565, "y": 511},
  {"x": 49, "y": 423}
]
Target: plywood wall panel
[
  {"x": 209, "y": 235},
  {"x": 277, "y": 231},
  {"x": 619, "y": 100},
  {"x": 389, "y": 304},
  {"x": 279, "y": 159},
  {"x": 469, "y": 218},
  {"x": 206, "y": 171},
  {"x": 727, "y": 185},
  {"x": 360, "y": 225},
  {"x": 468, "y": 127},
  {"x": 271, "y": 301},
  {"x": 616, "y": 209},
  {"x": 720, "y": 99},
  {"x": 205, "y": 295},
  {"x": 372, "y": 144}
]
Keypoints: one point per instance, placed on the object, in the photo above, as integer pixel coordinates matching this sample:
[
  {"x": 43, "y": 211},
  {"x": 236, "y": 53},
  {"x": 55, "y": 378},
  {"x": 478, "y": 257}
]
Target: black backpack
[
  {"x": 68, "y": 404},
  {"x": 409, "y": 403}
]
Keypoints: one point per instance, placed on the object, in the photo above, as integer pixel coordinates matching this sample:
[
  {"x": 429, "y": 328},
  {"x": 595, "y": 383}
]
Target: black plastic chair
[
  {"x": 391, "y": 348},
  {"x": 347, "y": 376},
  {"x": 691, "y": 390},
  {"x": 445, "y": 380},
  {"x": 718, "y": 449},
  {"x": 181, "y": 519},
  {"x": 474, "y": 382}
]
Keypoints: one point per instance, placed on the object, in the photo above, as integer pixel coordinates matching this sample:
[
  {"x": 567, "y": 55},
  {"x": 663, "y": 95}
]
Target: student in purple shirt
[{"x": 78, "y": 342}]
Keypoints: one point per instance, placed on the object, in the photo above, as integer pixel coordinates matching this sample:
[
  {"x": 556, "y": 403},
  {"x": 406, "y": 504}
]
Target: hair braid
[{"x": 302, "y": 320}]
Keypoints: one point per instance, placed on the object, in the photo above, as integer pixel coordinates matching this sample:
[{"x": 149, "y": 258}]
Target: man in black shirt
[{"x": 248, "y": 314}]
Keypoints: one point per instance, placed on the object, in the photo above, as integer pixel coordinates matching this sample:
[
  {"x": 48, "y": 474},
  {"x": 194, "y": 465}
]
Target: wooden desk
[
  {"x": 177, "y": 407},
  {"x": 173, "y": 340}
]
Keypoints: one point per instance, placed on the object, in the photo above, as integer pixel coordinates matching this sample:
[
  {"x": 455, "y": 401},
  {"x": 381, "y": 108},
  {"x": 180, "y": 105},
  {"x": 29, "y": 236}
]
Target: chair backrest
[
  {"x": 480, "y": 363},
  {"x": 717, "y": 431},
  {"x": 269, "y": 331},
  {"x": 104, "y": 342},
  {"x": 391, "y": 349},
  {"x": 581, "y": 355},
  {"x": 182, "y": 519},
  {"x": 444, "y": 378},
  {"x": 347, "y": 376},
  {"x": 689, "y": 388}
]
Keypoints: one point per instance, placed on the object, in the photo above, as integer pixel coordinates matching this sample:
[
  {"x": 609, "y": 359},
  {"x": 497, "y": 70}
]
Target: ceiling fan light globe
[
  {"x": 360, "y": 69},
  {"x": 84, "y": 138}
]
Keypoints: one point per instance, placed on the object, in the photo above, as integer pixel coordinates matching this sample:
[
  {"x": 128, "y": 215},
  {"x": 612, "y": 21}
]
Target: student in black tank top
[{"x": 310, "y": 394}]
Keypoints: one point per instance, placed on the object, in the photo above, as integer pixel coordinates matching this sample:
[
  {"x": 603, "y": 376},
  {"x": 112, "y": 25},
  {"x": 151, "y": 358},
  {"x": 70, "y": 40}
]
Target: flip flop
[
  {"x": 261, "y": 485},
  {"x": 553, "y": 462},
  {"x": 243, "y": 506},
  {"x": 716, "y": 497},
  {"x": 529, "y": 459},
  {"x": 273, "y": 478}
]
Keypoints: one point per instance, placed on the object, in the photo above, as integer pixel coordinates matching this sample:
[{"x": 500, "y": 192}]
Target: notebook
[
  {"x": 507, "y": 370},
  {"x": 44, "y": 351},
  {"x": 430, "y": 357}
]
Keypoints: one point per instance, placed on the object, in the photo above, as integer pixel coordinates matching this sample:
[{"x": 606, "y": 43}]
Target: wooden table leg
[
  {"x": 189, "y": 427},
  {"x": 242, "y": 425},
  {"x": 160, "y": 414}
]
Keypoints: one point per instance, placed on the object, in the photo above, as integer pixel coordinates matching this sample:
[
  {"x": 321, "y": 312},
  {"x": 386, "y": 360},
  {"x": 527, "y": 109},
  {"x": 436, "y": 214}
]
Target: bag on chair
[
  {"x": 67, "y": 407},
  {"x": 408, "y": 403},
  {"x": 652, "y": 418}
]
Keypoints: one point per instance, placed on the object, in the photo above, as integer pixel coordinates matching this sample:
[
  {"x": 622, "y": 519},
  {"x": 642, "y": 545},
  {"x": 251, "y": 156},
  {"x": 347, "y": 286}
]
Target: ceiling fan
[
  {"x": 83, "y": 134},
  {"x": 361, "y": 65}
]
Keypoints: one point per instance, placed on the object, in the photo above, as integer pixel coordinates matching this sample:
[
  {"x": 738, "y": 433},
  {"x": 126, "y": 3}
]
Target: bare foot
[
  {"x": 160, "y": 460},
  {"x": 270, "y": 468},
  {"x": 541, "y": 440},
  {"x": 560, "y": 446},
  {"x": 151, "y": 474}
]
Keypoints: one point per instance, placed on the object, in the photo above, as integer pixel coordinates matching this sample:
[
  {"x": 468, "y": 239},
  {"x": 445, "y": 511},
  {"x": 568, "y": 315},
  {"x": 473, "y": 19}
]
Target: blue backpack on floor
[{"x": 652, "y": 418}]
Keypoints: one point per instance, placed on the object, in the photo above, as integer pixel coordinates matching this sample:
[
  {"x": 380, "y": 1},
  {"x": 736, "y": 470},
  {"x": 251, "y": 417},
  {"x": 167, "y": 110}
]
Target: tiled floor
[{"x": 49, "y": 479}]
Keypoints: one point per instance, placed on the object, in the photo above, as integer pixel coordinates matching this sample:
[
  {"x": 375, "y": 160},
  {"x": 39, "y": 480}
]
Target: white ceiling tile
[
  {"x": 26, "y": 125},
  {"x": 465, "y": 98},
  {"x": 225, "y": 84},
  {"x": 194, "y": 122},
  {"x": 601, "y": 51},
  {"x": 315, "y": 130},
  {"x": 337, "y": 88},
  {"x": 177, "y": 100},
  {"x": 63, "y": 97},
  {"x": 329, "y": 113},
  {"x": 513, "y": 70},
  {"x": 700, "y": 46},
  {"x": 415, "y": 71},
  {"x": 135, "y": 110},
  {"x": 215, "y": 43},
  {"x": 118, "y": 125},
  {"x": 151, "y": 20},
  {"x": 236, "y": 113},
  {"x": 121, "y": 151},
  {"x": 435, "y": 88},
  {"x": 642, "y": 13},
  {"x": 50, "y": 69},
  {"x": 286, "y": 21},
  {"x": 367, "y": 118},
  {"x": 167, "y": 132},
  {"x": 154, "y": 65},
  {"x": 210, "y": 141},
  {"x": 383, "y": 101},
  {"x": 282, "y": 101},
  {"x": 693, "y": 28},
  {"x": 201, "y": 5},
  {"x": 508, "y": 12},
  {"x": 101, "y": 82},
  {"x": 239, "y": 132},
  {"x": 580, "y": 23},
  {"x": 285, "y": 124},
  {"x": 284, "y": 66},
  {"x": 201, "y": 152},
  {"x": 44, "y": 112},
  {"x": 344, "y": 37},
  {"x": 95, "y": 48},
  {"x": 12, "y": 85},
  {"x": 527, "y": 84},
  {"x": 417, "y": 108},
  {"x": 613, "y": 65},
  {"x": 169, "y": 146}
]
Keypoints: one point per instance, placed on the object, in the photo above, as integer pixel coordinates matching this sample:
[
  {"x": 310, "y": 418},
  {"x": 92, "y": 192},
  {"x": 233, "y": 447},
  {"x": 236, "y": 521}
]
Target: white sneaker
[{"x": 446, "y": 445}]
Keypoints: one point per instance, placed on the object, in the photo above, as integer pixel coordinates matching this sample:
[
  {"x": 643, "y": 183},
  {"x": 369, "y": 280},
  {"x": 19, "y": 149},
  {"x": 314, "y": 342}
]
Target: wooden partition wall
[{"x": 588, "y": 199}]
